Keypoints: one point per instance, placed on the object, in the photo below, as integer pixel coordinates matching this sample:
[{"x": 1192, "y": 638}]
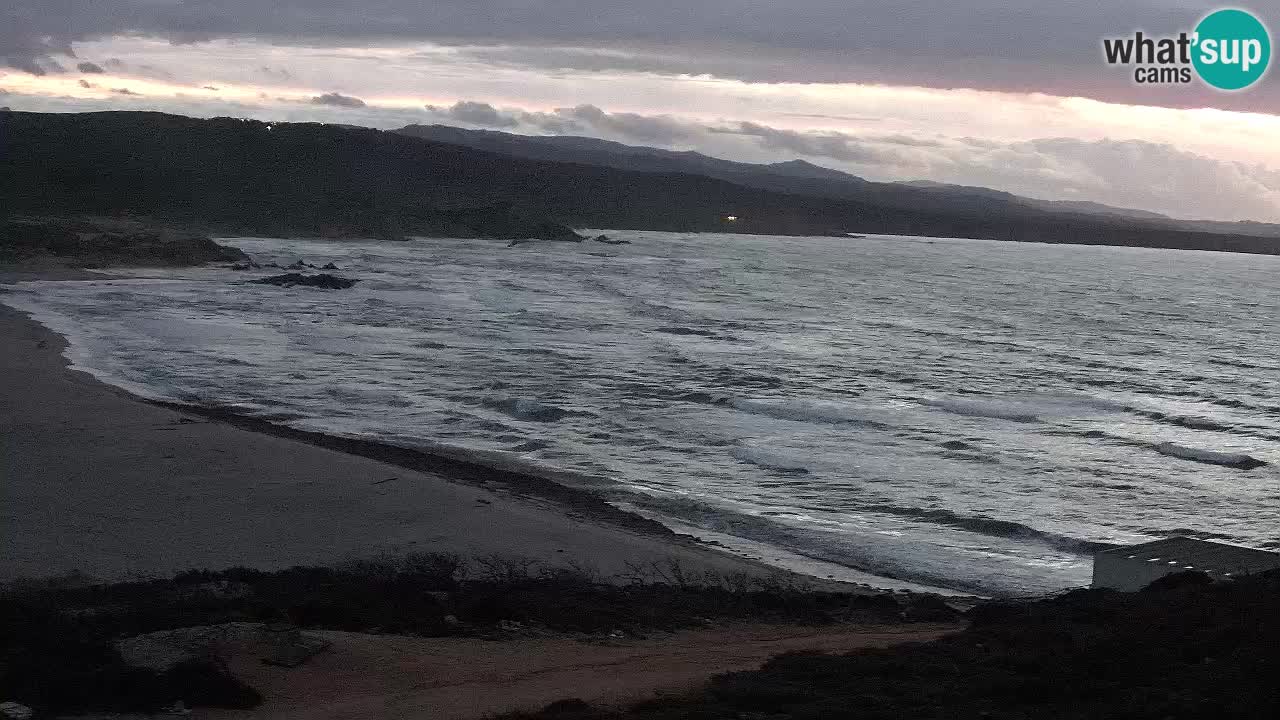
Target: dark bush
[{"x": 1190, "y": 650}]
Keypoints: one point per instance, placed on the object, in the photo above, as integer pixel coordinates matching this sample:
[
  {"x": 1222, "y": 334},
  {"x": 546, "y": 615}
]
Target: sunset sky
[{"x": 1010, "y": 94}]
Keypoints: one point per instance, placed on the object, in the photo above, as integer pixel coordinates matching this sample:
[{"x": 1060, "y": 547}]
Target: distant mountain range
[
  {"x": 799, "y": 176},
  {"x": 241, "y": 176}
]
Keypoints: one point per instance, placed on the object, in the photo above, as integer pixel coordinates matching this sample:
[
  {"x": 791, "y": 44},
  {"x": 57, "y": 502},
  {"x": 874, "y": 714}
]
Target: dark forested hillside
[{"x": 288, "y": 178}]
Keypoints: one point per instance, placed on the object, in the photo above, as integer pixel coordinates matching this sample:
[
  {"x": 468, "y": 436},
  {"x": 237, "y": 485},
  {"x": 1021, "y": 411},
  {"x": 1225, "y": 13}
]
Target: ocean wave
[
  {"x": 868, "y": 552},
  {"x": 771, "y": 460},
  {"x": 528, "y": 409},
  {"x": 1239, "y": 461},
  {"x": 699, "y": 332},
  {"x": 1028, "y": 409},
  {"x": 999, "y": 410},
  {"x": 821, "y": 411},
  {"x": 1186, "y": 421},
  {"x": 982, "y": 525}
]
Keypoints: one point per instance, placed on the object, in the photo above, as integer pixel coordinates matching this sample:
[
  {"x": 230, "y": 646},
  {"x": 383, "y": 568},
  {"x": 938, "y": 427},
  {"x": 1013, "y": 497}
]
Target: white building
[{"x": 1136, "y": 566}]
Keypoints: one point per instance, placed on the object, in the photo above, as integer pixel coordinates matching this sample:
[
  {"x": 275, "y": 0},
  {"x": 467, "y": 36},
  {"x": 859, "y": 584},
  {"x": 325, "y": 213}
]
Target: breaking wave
[
  {"x": 771, "y": 460},
  {"x": 821, "y": 411},
  {"x": 1239, "y": 461},
  {"x": 527, "y": 409}
]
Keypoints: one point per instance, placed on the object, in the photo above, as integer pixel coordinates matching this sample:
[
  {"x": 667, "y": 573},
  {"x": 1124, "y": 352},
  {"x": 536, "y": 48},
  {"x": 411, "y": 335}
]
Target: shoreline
[{"x": 67, "y": 530}]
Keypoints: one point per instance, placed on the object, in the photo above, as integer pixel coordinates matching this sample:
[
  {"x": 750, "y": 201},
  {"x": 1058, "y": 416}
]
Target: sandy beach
[
  {"x": 107, "y": 486},
  {"x": 366, "y": 676}
]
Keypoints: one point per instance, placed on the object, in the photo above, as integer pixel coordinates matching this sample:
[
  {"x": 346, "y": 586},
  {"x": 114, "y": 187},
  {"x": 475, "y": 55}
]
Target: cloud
[
  {"x": 646, "y": 128},
  {"x": 475, "y": 113},
  {"x": 86, "y": 84},
  {"x": 837, "y": 146},
  {"x": 1012, "y": 45},
  {"x": 88, "y": 67},
  {"x": 276, "y": 74},
  {"x": 124, "y": 91},
  {"x": 338, "y": 100},
  {"x": 633, "y": 127}
]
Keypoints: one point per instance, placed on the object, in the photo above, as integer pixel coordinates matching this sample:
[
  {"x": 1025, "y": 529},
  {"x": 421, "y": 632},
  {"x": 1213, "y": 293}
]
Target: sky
[{"x": 1008, "y": 94}]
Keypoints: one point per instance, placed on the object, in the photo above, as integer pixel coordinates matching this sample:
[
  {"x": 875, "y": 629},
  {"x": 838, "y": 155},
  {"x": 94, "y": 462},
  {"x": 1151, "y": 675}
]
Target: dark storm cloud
[
  {"x": 1020, "y": 45},
  {"x": 338, "y": 100},
  {"x": 90, "y": 68}
]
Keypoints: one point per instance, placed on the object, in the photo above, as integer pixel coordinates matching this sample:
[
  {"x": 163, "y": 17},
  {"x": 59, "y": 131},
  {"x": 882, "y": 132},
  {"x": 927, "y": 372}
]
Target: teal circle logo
[{"x": 1232, "y": 49}]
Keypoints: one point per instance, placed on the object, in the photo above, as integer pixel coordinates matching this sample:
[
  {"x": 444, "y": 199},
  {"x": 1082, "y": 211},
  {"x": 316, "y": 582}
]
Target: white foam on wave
[
  {"x": 771, "y": 460},
  {"x": 807, "y": 410},
  {"x": 1026, "y": 409},
  {"x": 529, "y": 409},
  {"x": 81, "y": 352}
]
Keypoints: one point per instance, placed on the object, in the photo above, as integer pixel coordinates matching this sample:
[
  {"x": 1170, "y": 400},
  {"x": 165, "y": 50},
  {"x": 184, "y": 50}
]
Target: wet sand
[{"x": 98, "y": 483}]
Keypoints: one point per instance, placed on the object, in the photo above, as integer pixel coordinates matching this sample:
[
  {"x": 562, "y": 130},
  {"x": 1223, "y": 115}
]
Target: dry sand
[
  {"x": 97, "y": 482},
  {"x": 385, "y": 677}
]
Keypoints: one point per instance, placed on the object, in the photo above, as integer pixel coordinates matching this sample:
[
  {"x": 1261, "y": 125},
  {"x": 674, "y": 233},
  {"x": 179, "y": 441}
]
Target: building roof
[{"x": 1192, "y": 554}]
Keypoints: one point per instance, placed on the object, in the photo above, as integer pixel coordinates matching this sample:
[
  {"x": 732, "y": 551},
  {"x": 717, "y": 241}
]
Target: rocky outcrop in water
[
  {"x": 323, "y": 280},
  {"x": 611, "y": 241},
  {"x": 90, "y": 243}
]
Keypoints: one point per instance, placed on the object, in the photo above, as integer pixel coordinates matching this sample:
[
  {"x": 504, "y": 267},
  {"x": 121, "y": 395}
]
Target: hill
[
  {"x": 247, "y": 176},
  {"x": 802, "y": 177}
]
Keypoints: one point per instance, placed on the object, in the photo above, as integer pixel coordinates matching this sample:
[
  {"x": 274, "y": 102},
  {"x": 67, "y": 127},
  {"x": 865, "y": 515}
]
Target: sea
[{"x": 968, "y": 415}]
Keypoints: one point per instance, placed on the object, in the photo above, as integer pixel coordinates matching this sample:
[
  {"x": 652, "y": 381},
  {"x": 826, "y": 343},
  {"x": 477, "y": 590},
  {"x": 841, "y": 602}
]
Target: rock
[
  {"x": 105, "y": 242},
  {"x": 246, "y": 265},
  {"x": 281, "y": 645},
  {"x": 300, "y": 265},
  {"x": 610, "y": 241},
  {"x": 166, "y": 649},
  {"x": 323, "y": 280},
  {"x": 330, "y": 266},
  {"x": 568, "y": 706},
  {"x": 13, "y": 710}
]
